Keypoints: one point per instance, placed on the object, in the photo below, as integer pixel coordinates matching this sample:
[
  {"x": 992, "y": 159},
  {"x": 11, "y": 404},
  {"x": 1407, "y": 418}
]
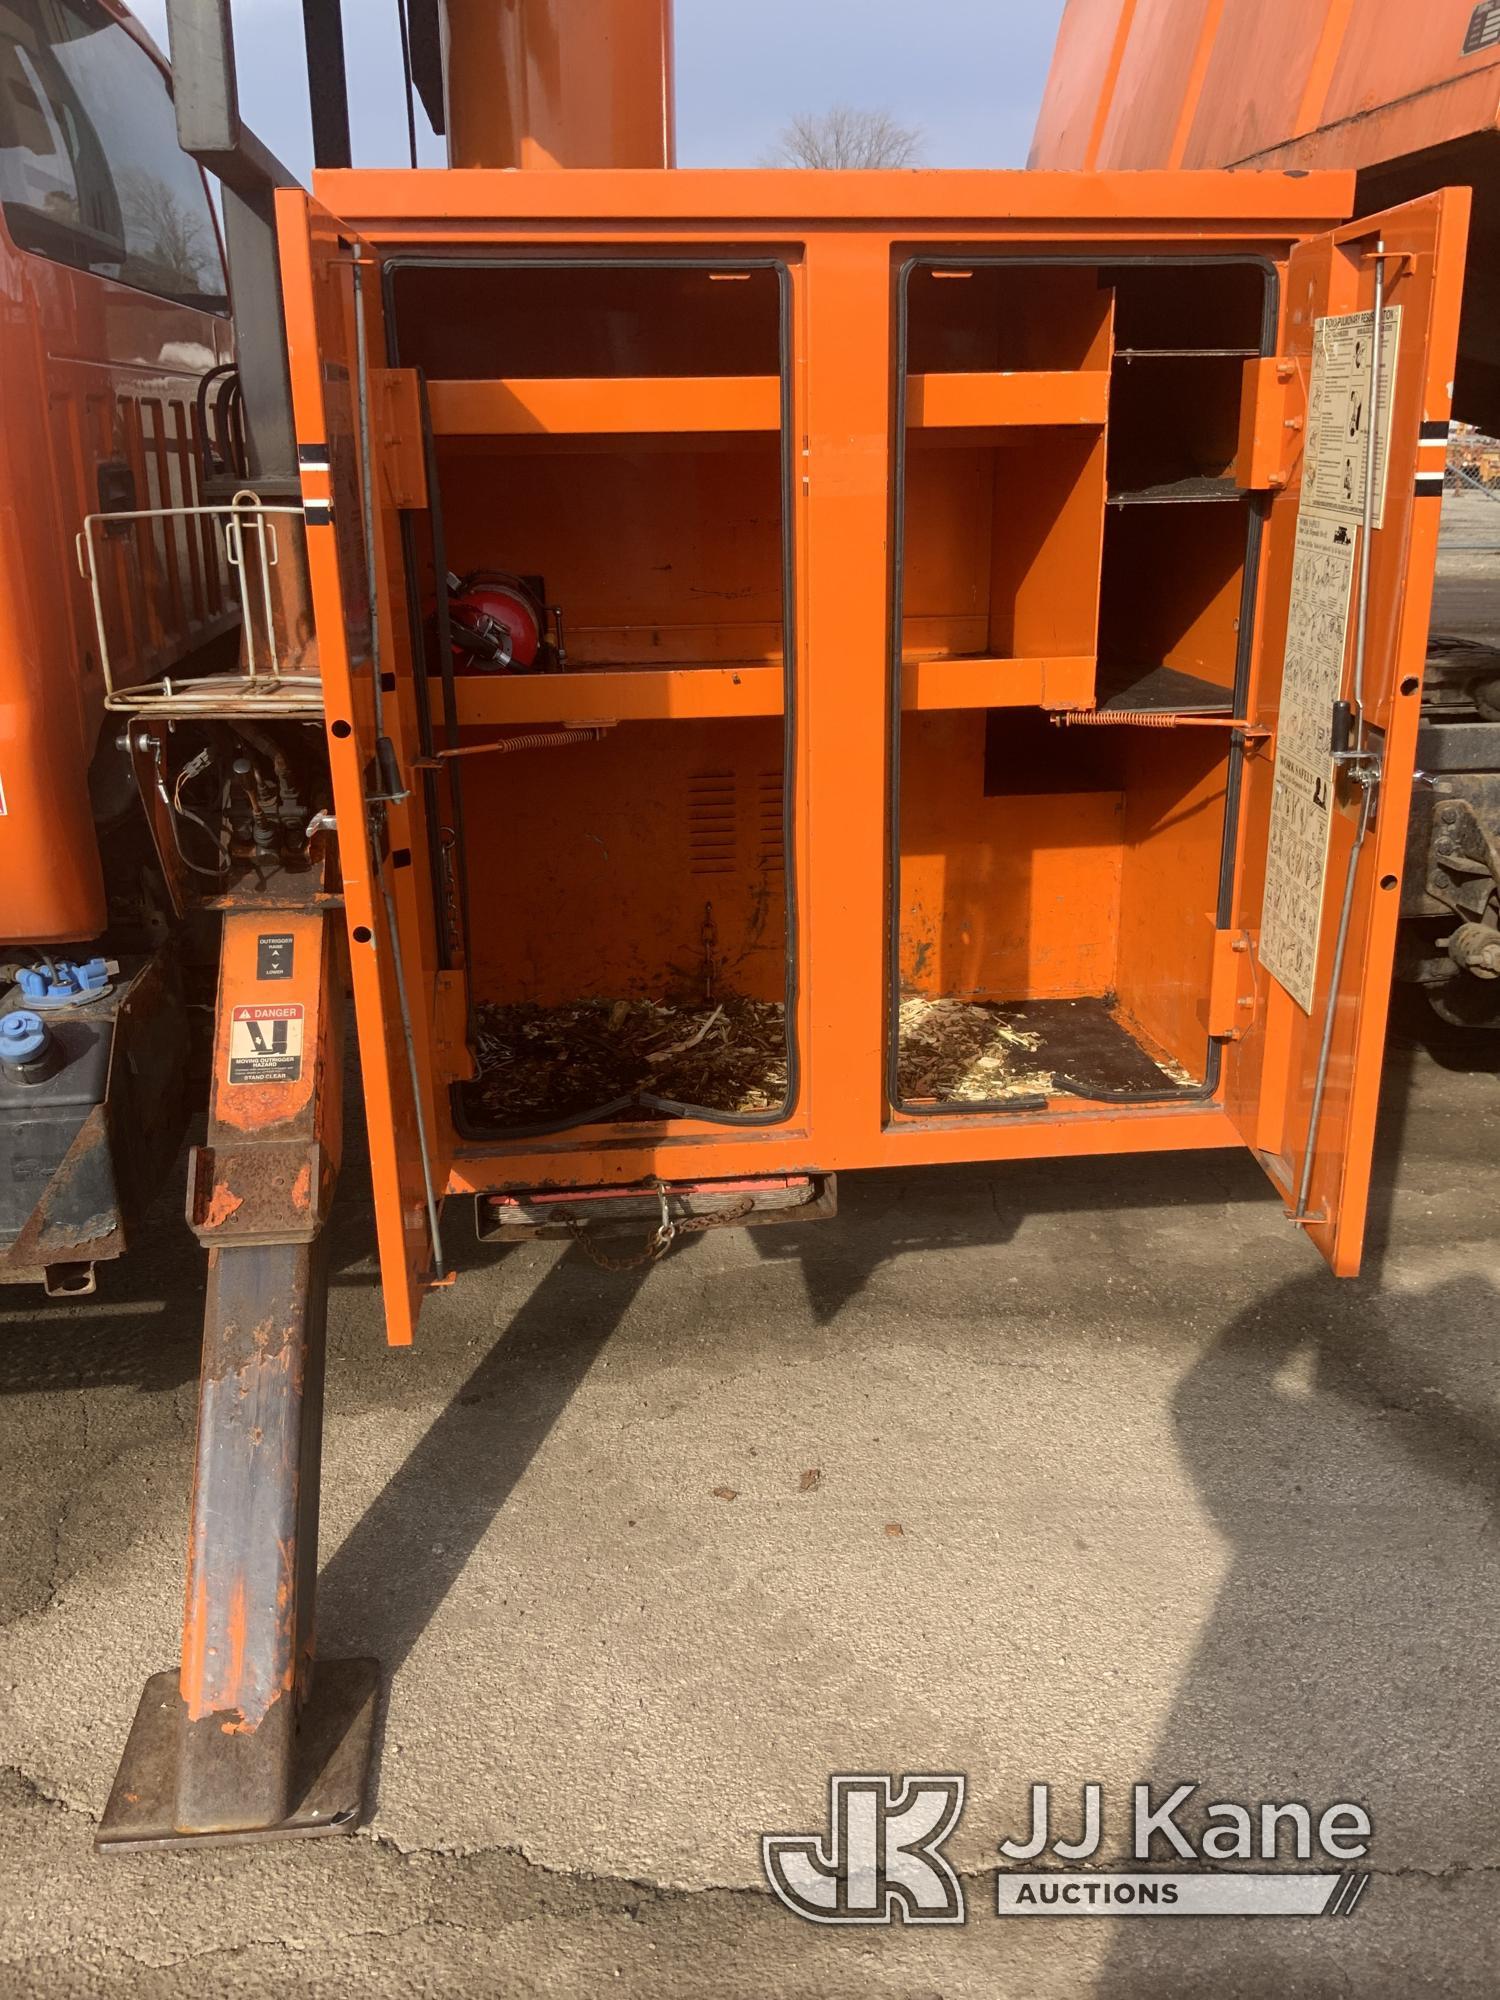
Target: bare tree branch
[{"x": 845, "y": 137}]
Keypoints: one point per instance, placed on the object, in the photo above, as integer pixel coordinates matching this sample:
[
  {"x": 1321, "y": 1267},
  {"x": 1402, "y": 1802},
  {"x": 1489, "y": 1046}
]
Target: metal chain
[{"x": 661, "y": 1239}]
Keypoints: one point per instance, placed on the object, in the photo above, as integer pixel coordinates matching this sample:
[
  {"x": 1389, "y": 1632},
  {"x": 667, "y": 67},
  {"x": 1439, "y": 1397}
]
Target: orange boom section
[{"x": 559, "y": 83}]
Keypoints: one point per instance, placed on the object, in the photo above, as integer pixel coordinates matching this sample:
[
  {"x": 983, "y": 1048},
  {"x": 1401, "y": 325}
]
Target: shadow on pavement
[{"x": 1338, "y": 1660}]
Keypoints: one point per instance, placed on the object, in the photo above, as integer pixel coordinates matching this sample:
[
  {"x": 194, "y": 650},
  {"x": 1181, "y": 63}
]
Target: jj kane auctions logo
[{"x": 881, "y": 1860}]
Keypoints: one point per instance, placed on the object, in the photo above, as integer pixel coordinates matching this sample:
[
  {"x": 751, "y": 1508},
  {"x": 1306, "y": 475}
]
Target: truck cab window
[{"x": 91, "y": 174}]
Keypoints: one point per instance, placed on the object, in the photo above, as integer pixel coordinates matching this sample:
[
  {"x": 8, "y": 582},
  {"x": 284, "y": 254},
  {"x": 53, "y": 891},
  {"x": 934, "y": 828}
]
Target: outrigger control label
[{"x": 265, "y": 1044}]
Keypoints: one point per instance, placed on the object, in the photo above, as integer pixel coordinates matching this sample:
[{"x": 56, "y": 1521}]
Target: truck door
[
  {"x": 335, "y": 345},
  {"x": 1343, "y": 616}
]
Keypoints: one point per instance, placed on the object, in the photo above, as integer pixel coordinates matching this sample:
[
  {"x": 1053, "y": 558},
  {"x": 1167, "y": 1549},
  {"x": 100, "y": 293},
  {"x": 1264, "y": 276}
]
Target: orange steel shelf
[
  {"x": 620, "y": 694},
  {"x": 1057, "y": 683},
  {"x": 1062, "y": 396},
  {"x": 655, "y": 694},
  {"x": 569, "y": 405}
]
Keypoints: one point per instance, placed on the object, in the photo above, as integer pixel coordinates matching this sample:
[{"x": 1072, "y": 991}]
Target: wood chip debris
[
  {"x": 539, "y": 1063},
  {"x": 811, "y": 1480},
  {"x": 967, "y": 1052}
]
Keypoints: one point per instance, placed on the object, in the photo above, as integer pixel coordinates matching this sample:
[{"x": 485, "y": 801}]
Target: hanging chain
[{"x": 661, "y": 1239}]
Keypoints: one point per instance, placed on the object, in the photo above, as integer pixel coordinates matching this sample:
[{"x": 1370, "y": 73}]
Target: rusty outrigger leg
[{"x": 253, "y": 1738}]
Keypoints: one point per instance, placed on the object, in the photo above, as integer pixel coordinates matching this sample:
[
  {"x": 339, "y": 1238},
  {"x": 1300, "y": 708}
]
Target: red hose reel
[{"x": 498, "y": 623}]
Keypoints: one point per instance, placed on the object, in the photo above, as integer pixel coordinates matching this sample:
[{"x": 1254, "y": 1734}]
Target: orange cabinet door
[
  {"x": 335, "y": 346},
  {"x": 1343, "y": 616}
]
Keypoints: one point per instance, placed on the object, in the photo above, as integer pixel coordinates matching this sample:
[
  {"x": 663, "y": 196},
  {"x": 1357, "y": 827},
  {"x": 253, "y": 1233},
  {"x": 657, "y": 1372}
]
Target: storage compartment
[
  {"x": 1173, "y": 427},
  {"x": 1002, "y": 543},
  {"x": 612, "y": 436},
  {"x": 1170, "y": 607},
  {"x": 1056, "y": 891},
  {"x": 631, "y": 925},
  {"x": 1016, "y": 316},
  {"x": 1057, "y": 874},
  {"x": 549, "y": 320}
]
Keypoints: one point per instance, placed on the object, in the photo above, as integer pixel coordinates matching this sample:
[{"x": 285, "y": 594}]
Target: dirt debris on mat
[
  {"x": 557, "y": 1062},
  {"x": 967, "y": 1052}
]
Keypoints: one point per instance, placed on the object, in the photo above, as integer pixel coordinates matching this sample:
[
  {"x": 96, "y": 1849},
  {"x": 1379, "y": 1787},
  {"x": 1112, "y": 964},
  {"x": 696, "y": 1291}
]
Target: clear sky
[{"x": 969, "y": 73}]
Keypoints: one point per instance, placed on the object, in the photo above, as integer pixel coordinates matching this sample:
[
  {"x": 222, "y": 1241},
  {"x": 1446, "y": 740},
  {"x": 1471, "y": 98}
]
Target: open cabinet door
[
  {"x": 1325, "y": 800},
  {"x": 333, "y": 372}
]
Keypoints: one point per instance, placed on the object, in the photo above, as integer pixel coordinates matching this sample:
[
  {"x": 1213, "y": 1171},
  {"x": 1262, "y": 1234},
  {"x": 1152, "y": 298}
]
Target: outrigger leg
[{"x": 252, "y": 1739}]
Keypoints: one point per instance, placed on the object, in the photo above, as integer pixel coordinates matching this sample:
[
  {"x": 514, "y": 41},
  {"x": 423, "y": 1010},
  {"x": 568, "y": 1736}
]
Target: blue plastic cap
[
  {"x": 22, "y": 1036},
  {"x": 70, "y": 979}
]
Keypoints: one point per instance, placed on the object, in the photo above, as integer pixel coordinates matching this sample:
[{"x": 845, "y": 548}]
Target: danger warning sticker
[{"x": 265, "y": 1044}]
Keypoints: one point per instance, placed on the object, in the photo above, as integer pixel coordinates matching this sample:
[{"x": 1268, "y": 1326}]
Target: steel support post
[{"x": 251, "y": 1738}]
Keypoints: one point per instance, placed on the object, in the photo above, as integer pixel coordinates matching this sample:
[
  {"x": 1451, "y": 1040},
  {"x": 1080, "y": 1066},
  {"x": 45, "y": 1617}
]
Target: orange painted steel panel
[
  {"x": 608, "y": 404},
  {"x": 1006, "y": 897},
  {"x": 1080, "y": 88},
  {"x": 1068, "y": 1129},
  {"x": 1073, "y": 396},
  {"x": 1171, "y": 830},
  {"x": 1202, "y": 83},
  {"x": 1155, "y": 68},
  {"x": 559, "y": 83},
  {"x": 758, "y": 205},
  {"x": 626, "y": 843}
]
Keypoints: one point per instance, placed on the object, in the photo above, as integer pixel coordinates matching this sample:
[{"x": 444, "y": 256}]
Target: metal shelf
[
  {"x": 1039, "y": 397},
  {"x": 1161, "y": 690},
  {"x": 604, "y": 405},
  {"x": 584, "y": 695},
  {"x": 1194, "y": 490}
]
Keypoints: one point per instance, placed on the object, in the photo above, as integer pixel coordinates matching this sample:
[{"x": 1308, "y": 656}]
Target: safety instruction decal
[
  {"x": 1338, "y": 414},
  {"x": 1302, "y": 794},
  {"x": 265, "y": 1044},
  {"x": 275, "y": 955}
]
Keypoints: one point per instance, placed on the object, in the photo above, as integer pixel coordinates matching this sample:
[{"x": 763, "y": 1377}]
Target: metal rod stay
[{"x": 1362, "y": 625}]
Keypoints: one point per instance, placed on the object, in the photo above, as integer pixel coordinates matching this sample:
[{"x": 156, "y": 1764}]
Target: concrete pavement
[{"x": 1171, "y": 1504}]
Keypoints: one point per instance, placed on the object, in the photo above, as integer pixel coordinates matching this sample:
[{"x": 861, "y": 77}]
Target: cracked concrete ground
[{"x": 1173, "y": 1504}]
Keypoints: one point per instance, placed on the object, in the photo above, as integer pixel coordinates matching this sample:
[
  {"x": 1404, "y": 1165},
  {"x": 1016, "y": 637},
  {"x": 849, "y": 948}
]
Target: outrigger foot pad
[{"x": 331, "y": 1758}]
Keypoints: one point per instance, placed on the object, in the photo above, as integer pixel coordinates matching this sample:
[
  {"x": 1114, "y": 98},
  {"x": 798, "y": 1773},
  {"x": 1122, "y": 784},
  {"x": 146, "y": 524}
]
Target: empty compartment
[
  {"x": 1006, "y": 317},
  {"x": 1200, "y": 306},
  {"x": 1055, "y": 890},
  {"x": 626, "y": 876},
  {"x": 540, "y": 320},
  {"x": 1170, "y": 607},
  {"x": 1174, "y": 428},
  {"x": 1002, "y": 540}
]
